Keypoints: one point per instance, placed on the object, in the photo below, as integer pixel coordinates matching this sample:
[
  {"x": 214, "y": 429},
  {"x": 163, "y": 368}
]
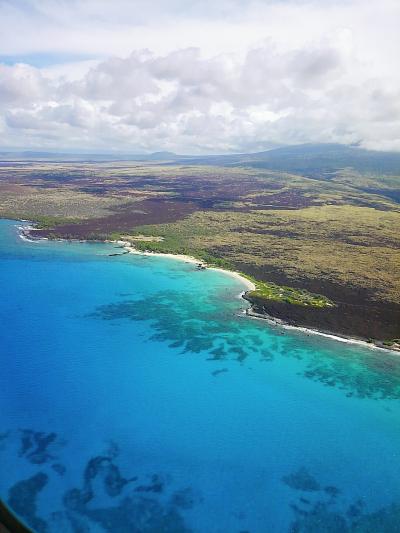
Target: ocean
[{"x": 136, "y": 396}]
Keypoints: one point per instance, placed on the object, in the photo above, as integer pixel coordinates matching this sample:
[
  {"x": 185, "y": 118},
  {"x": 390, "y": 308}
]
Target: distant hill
[
  {"x": 310, "y": 158},
  {"x": 162, "y": 156}
]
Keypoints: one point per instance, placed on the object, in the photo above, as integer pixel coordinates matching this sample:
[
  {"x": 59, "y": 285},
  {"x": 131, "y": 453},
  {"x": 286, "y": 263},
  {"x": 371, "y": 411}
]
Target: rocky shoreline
[{"x": 289, "y": 324}]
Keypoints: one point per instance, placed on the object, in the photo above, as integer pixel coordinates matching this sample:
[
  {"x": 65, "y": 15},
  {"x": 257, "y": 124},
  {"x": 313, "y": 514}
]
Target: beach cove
[
  {"x": 135, "y": 392},
  {"x": 249, "y": 311}
]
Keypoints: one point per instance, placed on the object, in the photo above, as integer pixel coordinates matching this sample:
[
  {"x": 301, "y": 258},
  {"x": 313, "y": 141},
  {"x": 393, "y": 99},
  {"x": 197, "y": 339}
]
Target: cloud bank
[{"x": 198, "y": 77}]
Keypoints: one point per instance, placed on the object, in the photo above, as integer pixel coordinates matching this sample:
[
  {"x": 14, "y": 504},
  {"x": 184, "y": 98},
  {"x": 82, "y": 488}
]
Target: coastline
[
  {"x": 24, "y": 233},
  {"x": 189, "y": 259},
  {"x": 249, "y": 312},
  {"x": 277, "y": 322}
]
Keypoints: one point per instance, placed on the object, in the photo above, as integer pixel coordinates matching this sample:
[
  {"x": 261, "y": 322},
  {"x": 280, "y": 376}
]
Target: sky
[{"x": 198, "y": 76}]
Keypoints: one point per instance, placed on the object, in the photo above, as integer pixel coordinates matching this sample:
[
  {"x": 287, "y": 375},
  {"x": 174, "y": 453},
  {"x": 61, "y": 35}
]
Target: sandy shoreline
[{"x": 249, "y": 286}]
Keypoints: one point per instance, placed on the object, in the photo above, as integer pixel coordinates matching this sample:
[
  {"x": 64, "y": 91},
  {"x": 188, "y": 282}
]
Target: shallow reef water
[
  {"x": 198, "y": 325},
  {"x": 135, "y": 396}
]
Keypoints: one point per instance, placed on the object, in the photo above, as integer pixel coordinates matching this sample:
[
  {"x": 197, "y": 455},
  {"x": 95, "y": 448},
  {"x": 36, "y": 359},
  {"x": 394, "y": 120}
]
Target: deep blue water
[{"x": 136, "y": 397}]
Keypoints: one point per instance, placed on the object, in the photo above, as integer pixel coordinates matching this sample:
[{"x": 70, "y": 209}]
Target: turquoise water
[{"x": 136, "y": 397}]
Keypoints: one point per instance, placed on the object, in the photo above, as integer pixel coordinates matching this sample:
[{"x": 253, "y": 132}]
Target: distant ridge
[
  {"x": 305, "y": 158},
  {"x": 28, "y": 155},
  {"x": 311, "y": 158}
]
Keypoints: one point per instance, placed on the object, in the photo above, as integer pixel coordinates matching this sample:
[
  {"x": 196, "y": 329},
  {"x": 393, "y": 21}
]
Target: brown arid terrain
[{"x": 336, "y": 233}]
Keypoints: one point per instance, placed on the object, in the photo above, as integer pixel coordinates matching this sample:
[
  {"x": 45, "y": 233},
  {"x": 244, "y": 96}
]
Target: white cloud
[
  {"x": 199, "y": 76},
  {"x": 21, "y": 83}
]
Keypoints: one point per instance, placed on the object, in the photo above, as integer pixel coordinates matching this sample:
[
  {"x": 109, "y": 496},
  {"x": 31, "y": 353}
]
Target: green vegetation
[
  {"x": 290, "y": 295},
  {"x": 44, "y": 222},
  {"x": 176, "y": 248},
  {"x": 391, "y": 343}
]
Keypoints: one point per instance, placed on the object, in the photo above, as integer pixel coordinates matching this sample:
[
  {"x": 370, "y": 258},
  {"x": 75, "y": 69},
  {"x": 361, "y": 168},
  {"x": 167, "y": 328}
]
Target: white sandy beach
[{"x": 249, "y": 285}]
